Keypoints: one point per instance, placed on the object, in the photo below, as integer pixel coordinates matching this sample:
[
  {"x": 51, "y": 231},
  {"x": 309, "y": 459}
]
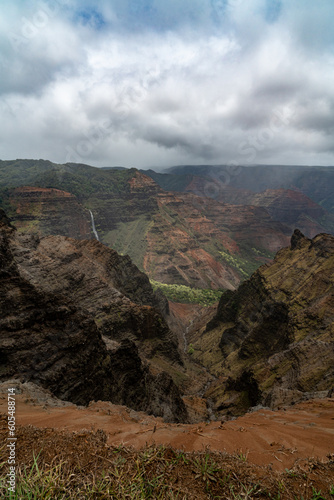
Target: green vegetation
[
  {"x": 86, "y": 468},
  {"x": 129, "y": 238},
  {"x": 23, "y": 172},
  {"x": 187, "y": 295},
  {"x": 191, "y": 349},
  {"x": 246, "y": 263},
  {"x": 84, "y": 181},
  {"x": 78, "y": 179},
  {"x": 205, "y": 469},
  {"x": 237, "y": 262}
]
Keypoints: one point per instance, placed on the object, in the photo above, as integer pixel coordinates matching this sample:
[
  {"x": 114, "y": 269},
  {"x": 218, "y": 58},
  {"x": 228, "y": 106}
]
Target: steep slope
[
  {"x": 50, "y": 335},
  {"x": 296, "y": 210},
  {"x": 49, "y": 211},
  {"x": 176, "y": 239},
  {"x": 109, "y": 287},
  {"x": 199, "y": 242},
  {"x": 276, "y": 186},
  {"x": 288, "y": 206},
  {"x": 272, "y": 340}
]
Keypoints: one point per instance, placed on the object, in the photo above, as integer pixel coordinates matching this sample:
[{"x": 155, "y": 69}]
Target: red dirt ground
[{"x": 280, "y": 438}]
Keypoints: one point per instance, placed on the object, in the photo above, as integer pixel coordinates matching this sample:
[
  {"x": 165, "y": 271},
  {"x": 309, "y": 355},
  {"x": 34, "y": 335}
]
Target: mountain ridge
[
  {"x": 275, "y": 335},
  {"x": 174, "y": 238}
]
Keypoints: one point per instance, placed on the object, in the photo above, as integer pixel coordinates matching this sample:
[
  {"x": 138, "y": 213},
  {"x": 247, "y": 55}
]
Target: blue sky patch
[
  {"x": 273, "y": 10},
  {"x": 91, "y": 18}
]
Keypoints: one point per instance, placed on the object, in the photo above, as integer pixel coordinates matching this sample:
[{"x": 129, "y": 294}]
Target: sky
[{"x": 155, "y": 83}]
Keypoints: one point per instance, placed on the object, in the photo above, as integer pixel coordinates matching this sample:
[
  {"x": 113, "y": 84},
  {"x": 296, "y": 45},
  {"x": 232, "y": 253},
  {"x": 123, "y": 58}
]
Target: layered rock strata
[
  {"x": 56, "y": 326},
  {"x": 47, "y": 211},
  {"x": 275, "y": 333}
]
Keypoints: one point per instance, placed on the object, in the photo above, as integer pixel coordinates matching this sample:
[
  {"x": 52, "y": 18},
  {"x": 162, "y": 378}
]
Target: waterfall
[{"x": 93, "y": 226}]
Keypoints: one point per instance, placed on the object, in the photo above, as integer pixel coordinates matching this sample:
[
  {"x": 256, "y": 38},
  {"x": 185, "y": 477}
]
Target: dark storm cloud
[
  {"x": 167, "y": 139},
  {"x": 279, "y": 89},
  {"x": 317, "y": 115}
]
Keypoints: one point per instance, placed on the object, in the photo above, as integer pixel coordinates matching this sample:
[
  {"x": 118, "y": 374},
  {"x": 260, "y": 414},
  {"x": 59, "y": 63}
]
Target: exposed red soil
[
  {"x": 80, "y": 464},
  {"x": 282, "y": 438},
  {"x": 50, "y": 192},
  {"x": 190, "y": 317}
]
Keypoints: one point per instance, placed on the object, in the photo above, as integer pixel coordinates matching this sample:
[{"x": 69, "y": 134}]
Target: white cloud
[{"x": 193, "y": 84}]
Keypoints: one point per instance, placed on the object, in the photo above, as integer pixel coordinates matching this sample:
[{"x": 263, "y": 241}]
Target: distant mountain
[
  {"x": 315, "y": 182},
  {"x": 113, "y": 168},
  {"x": 181, "y": 240},
  {"x": 272, "y": 340},
  {"x": 291, "y": 207},
  {"x": 78, "y": 179}
]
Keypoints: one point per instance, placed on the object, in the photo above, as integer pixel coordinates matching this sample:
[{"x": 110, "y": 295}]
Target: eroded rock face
[
  {"x": 294, "y": 209},
  {"x": 297, "y": 199},
  {"x": 106, "y": 285},
  {"x": 198, "y": 241},
  {"x": 49, "y": 211},
  {"x": 175, "y": 238},
  {"x": 276, "y": 332},
  {"x": 50, "y": 335}
]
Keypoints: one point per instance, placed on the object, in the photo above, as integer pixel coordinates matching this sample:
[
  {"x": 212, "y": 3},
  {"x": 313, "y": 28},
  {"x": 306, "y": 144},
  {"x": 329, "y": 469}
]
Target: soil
[{"x": 280, "y": 439}]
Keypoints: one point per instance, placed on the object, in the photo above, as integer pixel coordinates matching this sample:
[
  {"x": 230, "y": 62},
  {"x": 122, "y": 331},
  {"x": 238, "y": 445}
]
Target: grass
[
  {"x": 187, "y": 295},
  {"x": 237, "y": 262},
  {"x": 80, "y": 465},
  {"x": 247, "y": 263},
  {"x": 129, "y": 238}
]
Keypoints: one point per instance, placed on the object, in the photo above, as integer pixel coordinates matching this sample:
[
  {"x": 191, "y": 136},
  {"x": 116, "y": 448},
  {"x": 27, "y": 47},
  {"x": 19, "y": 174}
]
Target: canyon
[
  {"x": 174, "y": 320},
  {"x": 175, "y": 238},
  {"x": 102, "y": 250},
  {"x": 59, "y": 310}
]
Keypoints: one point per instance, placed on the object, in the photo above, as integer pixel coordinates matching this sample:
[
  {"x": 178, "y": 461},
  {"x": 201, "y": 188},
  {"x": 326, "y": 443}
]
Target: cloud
[{"x": 157, "y": 83}]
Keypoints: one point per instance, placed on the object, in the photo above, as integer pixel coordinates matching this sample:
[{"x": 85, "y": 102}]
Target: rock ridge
[
  {"x": 50, "y": 336},
  {"x": 276, "y": 331}
]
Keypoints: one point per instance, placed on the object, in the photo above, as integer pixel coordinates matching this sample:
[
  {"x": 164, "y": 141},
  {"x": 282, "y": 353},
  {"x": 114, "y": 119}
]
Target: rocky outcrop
[
  {"x": 108, "y": 286},
  {"x": 276, "y": 331},
  {"x": 51, "y": 336}
]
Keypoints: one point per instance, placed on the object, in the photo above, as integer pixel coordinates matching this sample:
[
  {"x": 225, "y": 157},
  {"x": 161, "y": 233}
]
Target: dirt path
[{"x": 280, "y": 438}]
